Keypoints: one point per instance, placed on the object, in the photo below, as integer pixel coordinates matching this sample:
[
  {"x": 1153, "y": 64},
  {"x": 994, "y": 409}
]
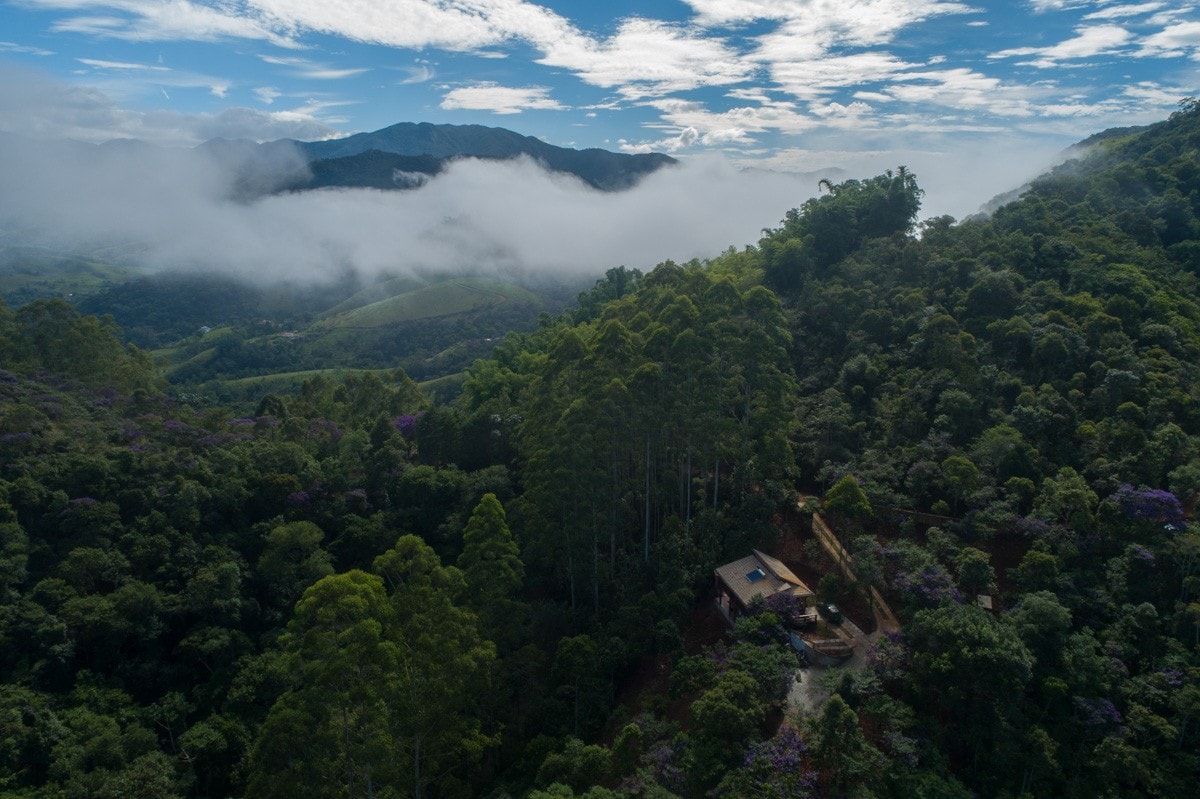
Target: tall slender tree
[{"x": 491, "y": 564}]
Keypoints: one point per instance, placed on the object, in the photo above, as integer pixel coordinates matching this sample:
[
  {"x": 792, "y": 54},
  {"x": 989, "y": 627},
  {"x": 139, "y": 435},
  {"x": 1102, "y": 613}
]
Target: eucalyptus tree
[
  {"x": 387, "y": 678},
  {"x": 495, "y": 574}
]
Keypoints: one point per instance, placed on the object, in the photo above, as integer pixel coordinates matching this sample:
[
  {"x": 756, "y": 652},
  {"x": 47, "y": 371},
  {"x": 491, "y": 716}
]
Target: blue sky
[
  {"x": 781, "y": 82},
  {"x": 973, "y": 96}
]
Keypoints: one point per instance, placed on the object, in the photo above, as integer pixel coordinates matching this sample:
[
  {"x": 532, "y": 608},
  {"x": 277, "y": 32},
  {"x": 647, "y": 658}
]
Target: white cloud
[
  {"x": 874, "y": 97},
  {"x": 643, "y": 57},
  {"x": 672, "y": 144},
  {"x": 1119, "y": 12},
  {"x": 500, "y": 99},
  {"x": 308, "y": 122},
  {"x": 751, "y": 94},
  {"x": 122, "y": 65},
  {"x": 817, "y": 78},
  {"x": 399, "y": 23},
  {"x": 333, "y": 74},
  {"x": 267, "y": 94},
  {"x": 800, "y": 159},
  {"x": 782, "y": 45},
  {"x": 1150, "y": 100},
  {"x": 1090, "y": 41},
  {"x": 125, "y": 79},
  {"x": 857, "y": 22},
  {"x": 305, "y": 68},
  {"x": 23, "y": 49},
  {"x": 1172, "y": 14},
  {"x": 647, "y": 57},
  {"x": 1076, "y": 109},
  {"x": 1175, "y": 40},
  {"x": 840, "y": 116},
  {"x": 32, "y": 105},
  {"x": 463, "y": 25},
  {"x": 418, "y": 74},
  {"x": 1057, "y": 5},
  {"x": 726, "y": 12},
  {"x": 961, "y": 89},
  {"x": 775, "y": 116},
  {"x": 716, "y": 138},
  {"x": 162, "y": 20}
]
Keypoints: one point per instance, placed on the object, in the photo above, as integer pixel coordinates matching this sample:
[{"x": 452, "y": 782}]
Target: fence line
[{"x": 885, "y": 619}]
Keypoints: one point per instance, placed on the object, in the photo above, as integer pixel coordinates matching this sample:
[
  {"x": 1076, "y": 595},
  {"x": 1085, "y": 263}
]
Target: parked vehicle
[{"x": 831, "y": 612}]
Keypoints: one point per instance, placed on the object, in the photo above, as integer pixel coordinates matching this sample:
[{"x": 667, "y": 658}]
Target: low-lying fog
[{"x": 180, "y": 209}]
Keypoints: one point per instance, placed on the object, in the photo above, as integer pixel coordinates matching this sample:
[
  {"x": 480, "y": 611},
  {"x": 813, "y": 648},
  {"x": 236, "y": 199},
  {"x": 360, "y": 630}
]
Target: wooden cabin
[{"x": 758, "y": 575}]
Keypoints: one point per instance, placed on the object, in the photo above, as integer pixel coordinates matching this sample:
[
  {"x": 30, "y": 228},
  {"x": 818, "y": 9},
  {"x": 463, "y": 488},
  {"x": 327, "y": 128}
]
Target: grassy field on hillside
[
  {"x": 439, "y": 299},
  {"x": 28, "y": 274}
]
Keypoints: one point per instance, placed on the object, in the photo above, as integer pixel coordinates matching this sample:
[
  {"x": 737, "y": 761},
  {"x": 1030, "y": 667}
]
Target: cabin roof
[{"x": 759, "y": 575}]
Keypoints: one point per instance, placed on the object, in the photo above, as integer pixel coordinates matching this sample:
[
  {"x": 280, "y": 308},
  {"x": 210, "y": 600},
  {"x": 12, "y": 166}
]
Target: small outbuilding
[{"x": 759, "y": 576}]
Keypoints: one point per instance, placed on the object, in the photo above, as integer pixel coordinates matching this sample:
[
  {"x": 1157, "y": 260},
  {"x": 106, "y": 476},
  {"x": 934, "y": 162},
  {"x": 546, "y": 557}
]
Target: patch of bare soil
[{"x": 1007, "y": 550}]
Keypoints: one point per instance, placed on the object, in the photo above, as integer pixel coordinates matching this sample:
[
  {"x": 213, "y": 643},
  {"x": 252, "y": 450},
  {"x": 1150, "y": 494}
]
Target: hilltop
[{"x": 359, "y": 154}]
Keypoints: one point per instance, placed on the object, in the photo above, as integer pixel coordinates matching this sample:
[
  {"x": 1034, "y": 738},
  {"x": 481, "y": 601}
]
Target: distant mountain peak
[{"x": 601, "y": 169}]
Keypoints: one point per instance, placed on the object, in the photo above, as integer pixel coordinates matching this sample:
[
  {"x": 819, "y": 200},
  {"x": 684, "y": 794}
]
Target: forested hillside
[
  {"x": 232, "y": 340},
  {"x": 354, "y": 592},
  {"x": 361, "y": 159}
]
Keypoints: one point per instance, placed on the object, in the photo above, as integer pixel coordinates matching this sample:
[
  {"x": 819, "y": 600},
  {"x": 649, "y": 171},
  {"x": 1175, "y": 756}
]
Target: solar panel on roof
[{"x": 756, "y": 575}]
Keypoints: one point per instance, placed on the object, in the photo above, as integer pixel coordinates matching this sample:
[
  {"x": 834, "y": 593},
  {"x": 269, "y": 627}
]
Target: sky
[{"x": 973, "y": 97}]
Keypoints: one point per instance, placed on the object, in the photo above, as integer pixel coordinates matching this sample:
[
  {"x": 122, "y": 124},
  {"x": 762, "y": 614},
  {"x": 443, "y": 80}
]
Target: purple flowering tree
[
  {"x": 1099, "y": 717},
  {"x": 1154, "y": 504},
  {"x": 664, "y": 761},
  {"x": 890, "y": 657},
  {"x": 406, "y": 423},
  {"x": 775, "y": 769},
  {"x": 927, "y": 587},
  {"x": 792, "y": 611}
]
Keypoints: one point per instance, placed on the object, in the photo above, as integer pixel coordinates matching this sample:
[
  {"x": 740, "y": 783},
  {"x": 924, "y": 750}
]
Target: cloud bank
[
  {"x": 210, "y": 208},
  {"x": 178, "y": 210}
]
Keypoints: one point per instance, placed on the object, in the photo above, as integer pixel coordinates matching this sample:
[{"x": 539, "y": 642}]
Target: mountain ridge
[{"x": 602, "y": 169}]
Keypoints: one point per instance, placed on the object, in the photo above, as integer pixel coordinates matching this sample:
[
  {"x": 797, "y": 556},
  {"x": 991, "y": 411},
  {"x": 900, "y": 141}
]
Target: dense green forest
[
  {"x": 229, "y": 340},
  {"x": 356, "y": 592}
]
